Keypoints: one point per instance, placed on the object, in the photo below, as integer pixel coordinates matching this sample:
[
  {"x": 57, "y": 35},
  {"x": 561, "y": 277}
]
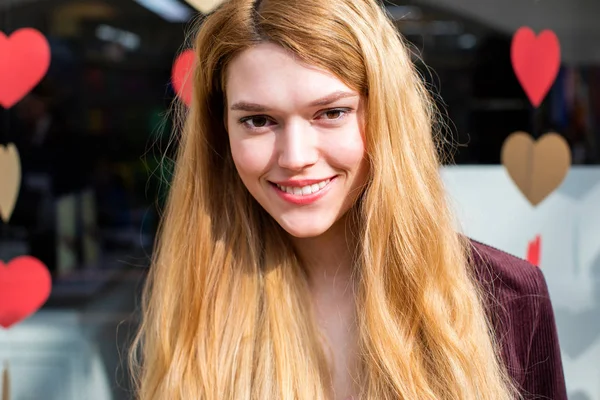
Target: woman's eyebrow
[
  {"x": 332, "y": 97},
  {"x": 251, "y": 107},
  {"x": 323, "y": 101}
]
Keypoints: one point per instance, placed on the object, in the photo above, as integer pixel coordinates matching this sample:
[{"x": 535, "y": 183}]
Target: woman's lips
[{"x": 303, "y": 199}]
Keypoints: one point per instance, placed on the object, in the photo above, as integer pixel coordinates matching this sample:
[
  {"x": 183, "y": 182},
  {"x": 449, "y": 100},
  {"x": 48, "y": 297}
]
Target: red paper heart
[
  {"x": 25, "y": 285},
  {"x": 182, "y": 77},
  {"x": 536, "y": 62},
  {"x": 24, "y": 61},
  {"x": 534, "y": 250}
]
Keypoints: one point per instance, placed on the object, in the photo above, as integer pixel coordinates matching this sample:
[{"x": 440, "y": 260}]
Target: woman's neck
[{"x": 328, "y": 259}]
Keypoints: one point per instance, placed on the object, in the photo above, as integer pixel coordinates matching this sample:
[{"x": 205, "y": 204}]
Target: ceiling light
[
  {"x": 204, "y": 6},
  {"x": 170, "y": 10}
]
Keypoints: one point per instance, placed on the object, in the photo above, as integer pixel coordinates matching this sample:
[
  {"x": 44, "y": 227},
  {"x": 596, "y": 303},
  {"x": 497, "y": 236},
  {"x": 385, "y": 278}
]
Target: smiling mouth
[{"x": 304, "y": 190}]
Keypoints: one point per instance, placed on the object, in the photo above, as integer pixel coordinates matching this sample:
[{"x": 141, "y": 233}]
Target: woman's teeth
[{"x": 305, "y": 190}]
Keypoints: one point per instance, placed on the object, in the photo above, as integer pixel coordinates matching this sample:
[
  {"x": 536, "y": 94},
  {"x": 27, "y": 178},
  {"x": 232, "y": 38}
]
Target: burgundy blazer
[{"x": 523, "y": 319}]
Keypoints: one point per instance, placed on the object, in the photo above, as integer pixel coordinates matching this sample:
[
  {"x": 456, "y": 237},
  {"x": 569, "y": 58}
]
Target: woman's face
[{"x": 296, "y": 136}]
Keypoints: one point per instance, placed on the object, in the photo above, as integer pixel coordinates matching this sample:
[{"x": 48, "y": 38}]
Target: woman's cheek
[
  {"x": 251, "y": 156},
  {"x": 347, "y": 148}
]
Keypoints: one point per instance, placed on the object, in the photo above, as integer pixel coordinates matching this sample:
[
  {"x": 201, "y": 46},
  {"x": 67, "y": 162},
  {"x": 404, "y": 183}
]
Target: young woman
[{"x": 307, "y": 251}]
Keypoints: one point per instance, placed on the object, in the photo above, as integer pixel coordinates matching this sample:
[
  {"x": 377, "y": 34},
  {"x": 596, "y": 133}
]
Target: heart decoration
[
  {"x": 534, "y": 250},
  {"x": 10, "y": 180},
  {"x": 181, "y": 75},
  {"x": 536, "y": 167},
  {"x": 24, "y": 61},
  {"x": 536, "y": 62},
  {"x": 204, "y": 6},
  {"x": 25, "y": 285}
]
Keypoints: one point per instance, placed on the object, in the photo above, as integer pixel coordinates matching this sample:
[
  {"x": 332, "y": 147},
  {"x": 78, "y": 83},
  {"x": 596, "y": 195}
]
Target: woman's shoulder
[
  {"x": 520, "y": 309},
  {"x": 504, "y": 274}
]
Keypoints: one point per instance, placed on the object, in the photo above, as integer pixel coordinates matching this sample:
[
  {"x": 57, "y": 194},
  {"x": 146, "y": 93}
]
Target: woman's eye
[
  {"x": 263, "y": 121},
  {"x": 255, "y": 122},
  {"x": 335, "y": 114}
]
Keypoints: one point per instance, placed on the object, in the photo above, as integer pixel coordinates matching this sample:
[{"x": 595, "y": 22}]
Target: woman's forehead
[{"x": 271, "y": 74}]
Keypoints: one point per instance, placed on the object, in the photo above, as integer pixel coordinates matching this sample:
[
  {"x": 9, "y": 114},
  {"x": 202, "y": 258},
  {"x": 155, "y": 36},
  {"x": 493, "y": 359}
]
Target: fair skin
[{"x": 297, "y": 139}]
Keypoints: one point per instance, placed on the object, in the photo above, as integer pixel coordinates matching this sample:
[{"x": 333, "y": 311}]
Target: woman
[{"x": 307, "y": 251}]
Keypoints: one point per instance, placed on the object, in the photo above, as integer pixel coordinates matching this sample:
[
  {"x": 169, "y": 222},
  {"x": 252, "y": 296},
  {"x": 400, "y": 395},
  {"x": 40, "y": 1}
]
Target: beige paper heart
[
  {"x": 10, "y": 180},
  {"x": 204, "y": 6},
  {"x": 537, "y": 167}
]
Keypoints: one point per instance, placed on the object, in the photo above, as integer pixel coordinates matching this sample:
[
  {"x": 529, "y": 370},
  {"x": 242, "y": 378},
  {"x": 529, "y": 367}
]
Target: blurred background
[{"x": 92, "y": 134}]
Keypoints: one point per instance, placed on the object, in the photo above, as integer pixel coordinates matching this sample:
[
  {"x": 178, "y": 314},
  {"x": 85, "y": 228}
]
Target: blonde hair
[{"x": 226, "y": 308}]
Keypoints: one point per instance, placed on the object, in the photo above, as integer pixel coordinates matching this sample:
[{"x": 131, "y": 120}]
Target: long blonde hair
[{"x": 226, "y": 310}]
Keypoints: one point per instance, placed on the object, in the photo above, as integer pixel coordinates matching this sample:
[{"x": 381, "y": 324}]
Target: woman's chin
[
  {"x": 309, "y": 225},
  {"x": 304, "y": 231}
]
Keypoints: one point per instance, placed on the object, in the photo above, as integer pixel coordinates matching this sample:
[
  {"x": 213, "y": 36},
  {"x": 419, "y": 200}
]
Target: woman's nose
[{"x": 297, "y": 146}]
